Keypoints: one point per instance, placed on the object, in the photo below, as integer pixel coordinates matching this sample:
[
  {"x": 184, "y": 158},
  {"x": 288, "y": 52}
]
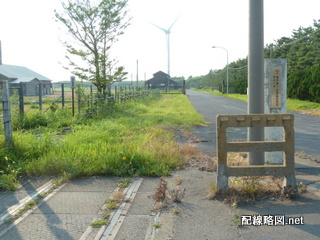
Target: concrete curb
[{"x": 314, "y": 188}]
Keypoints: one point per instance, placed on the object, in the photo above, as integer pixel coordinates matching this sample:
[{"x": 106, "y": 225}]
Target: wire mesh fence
[
  {"x": 77, "y": 98},
  {"x": 24, "y": 98},
  {"x": 38, "y": 96}
]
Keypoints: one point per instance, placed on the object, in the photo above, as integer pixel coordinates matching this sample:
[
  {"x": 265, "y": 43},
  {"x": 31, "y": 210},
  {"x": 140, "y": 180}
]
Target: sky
[{"x": 31, "y": 37}]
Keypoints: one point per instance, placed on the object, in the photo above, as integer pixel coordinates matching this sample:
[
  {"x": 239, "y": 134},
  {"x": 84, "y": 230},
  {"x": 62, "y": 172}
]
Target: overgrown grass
[
  {"x": 135, "y": 138},
  {"x": 296, "y": 105}
]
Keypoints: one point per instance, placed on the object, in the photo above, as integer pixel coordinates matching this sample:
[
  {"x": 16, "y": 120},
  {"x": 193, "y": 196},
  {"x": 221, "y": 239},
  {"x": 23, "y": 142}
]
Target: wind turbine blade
[
  {"x": 173, "y": 24},
  {"x": 159, "y": 27}
]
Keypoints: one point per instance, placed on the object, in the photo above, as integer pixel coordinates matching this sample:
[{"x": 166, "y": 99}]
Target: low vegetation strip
[{"x": 132, "y": 139}]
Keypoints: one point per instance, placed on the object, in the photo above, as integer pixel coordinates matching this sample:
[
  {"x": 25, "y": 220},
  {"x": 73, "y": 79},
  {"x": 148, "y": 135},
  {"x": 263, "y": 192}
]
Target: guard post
[{"x": 286, "y": 145}]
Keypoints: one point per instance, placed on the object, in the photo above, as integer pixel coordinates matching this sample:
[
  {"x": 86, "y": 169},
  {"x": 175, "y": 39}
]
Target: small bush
[{"x": 9, "y": 181}]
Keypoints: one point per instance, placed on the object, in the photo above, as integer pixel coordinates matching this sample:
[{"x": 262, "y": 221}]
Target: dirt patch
[
  {"x": 197, "y": 159},
  {"x": 203, "y": 162}
]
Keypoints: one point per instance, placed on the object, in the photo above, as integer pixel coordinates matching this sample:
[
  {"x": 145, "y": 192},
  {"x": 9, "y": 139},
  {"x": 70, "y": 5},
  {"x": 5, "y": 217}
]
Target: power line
[
  {"x": 298, "y": 40},
  {"x": 238, "y": 67}
]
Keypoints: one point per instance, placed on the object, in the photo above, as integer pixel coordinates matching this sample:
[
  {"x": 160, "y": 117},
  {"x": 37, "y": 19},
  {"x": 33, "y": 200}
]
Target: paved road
[
  {"x": 68, "y": 211},
  {"x": 307, "y": 128}
]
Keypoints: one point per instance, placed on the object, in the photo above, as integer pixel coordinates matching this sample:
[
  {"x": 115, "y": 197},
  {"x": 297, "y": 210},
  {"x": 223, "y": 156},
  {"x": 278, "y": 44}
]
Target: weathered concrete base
[
  {"x": 256, "y": 120},
  {"x": 222, "y": 180}
]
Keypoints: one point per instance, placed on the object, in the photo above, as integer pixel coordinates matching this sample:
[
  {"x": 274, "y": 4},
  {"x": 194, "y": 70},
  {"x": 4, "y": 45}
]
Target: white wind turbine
[{"x": 167, "y": 32}]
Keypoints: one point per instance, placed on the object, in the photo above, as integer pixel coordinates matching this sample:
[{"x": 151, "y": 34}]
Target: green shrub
[{"x": 30, "y": 121}]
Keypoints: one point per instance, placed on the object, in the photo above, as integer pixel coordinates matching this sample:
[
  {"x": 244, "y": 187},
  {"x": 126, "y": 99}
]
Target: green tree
[
  {"x": 305, "y": 84},
  {"x": 195, "y": 82},
  {"x": 302, "y": 50},
  {"x": 93, "y": 27},
  {"x": 208, "y": 80}
]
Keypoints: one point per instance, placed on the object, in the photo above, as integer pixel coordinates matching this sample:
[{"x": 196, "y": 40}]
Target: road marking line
[
  {"x": 151, "y": 231},
  {"x": 89, "y": 229},
  {"x": 117, "y": 219},
  {"x": 15, "y": 208},
  {"x": 28, "y": 212}
]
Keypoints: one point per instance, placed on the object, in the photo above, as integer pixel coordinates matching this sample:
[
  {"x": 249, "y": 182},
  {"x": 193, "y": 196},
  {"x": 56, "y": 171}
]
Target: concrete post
[
  {"x": 275, "y": 87},
  {"x": 255, "y": 75},
  {"x": 21, "y": 100},
  {"x": 7, "y": 114},
  {"x": 62, "y": 94},
  {"x": 40, "y": 96},
  {"x": 73, "y": 85}
]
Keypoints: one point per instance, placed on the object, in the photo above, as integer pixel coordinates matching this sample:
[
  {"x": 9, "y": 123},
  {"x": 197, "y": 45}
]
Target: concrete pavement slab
[
  {"x": 134, "y": 227},
  {"x": 29, "y": 187},
  {"x": 40, "y": 226},
  {"x": 139, "y": 217},
  {"x": 200, "y": 218},
  {"x": 306, "y": 206},
  {"x": 67, "y": 213}
]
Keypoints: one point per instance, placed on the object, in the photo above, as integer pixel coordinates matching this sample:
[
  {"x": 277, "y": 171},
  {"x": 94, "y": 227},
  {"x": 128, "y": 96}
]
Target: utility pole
[
  {"x": 256, "y": 75},
  {"x": 227, "y": 68}
]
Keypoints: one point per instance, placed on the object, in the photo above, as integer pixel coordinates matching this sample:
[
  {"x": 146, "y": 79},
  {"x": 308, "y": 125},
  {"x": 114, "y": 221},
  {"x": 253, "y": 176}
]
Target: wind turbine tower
[{"x": 167, "y": 32}]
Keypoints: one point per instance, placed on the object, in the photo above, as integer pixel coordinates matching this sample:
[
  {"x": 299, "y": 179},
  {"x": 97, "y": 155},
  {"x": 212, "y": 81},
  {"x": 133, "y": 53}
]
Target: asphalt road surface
[{"x": 307, "y": 128}]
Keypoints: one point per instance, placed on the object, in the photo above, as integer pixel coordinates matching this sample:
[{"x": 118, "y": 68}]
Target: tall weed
[{"x": 131, "y": 139}]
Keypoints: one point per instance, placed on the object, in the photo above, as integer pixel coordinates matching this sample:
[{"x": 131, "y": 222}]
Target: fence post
[
  {"x": 7, "y": 114},
  {"x": 79, "y": 99},
  {"x": 62, "y": 94},
  {"x": 21, "y": 102},
  {"x": 91, "y": 95},
  {"x": 184, "y": 87},
  {"x": 40, "y": 96},
  {"x": 120, "y": 94},
  {"x": 73, "y": 81}
]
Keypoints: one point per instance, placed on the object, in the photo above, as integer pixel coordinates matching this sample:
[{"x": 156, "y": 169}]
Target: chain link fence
[{"x": 27, "y": 97}]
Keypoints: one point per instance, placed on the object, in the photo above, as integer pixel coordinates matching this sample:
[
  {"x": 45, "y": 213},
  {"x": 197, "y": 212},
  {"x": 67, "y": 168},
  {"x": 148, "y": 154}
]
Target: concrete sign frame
[{"x": 275, "y": 101}]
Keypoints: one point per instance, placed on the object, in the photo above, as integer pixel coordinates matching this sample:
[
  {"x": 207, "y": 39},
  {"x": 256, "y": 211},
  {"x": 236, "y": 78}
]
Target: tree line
[
  {"x": 93, "y": 27},
  {"x": 302, "y": 51}
]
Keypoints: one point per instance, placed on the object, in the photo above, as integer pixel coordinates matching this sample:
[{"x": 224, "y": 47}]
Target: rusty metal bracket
[{"x": 256, "y": 120}]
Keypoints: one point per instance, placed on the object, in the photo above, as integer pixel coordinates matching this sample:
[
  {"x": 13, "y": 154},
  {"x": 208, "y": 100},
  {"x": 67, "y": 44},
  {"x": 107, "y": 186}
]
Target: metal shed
[
  {"x": 161, "y": 80},
  {"x": 29, "y": 79}
]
